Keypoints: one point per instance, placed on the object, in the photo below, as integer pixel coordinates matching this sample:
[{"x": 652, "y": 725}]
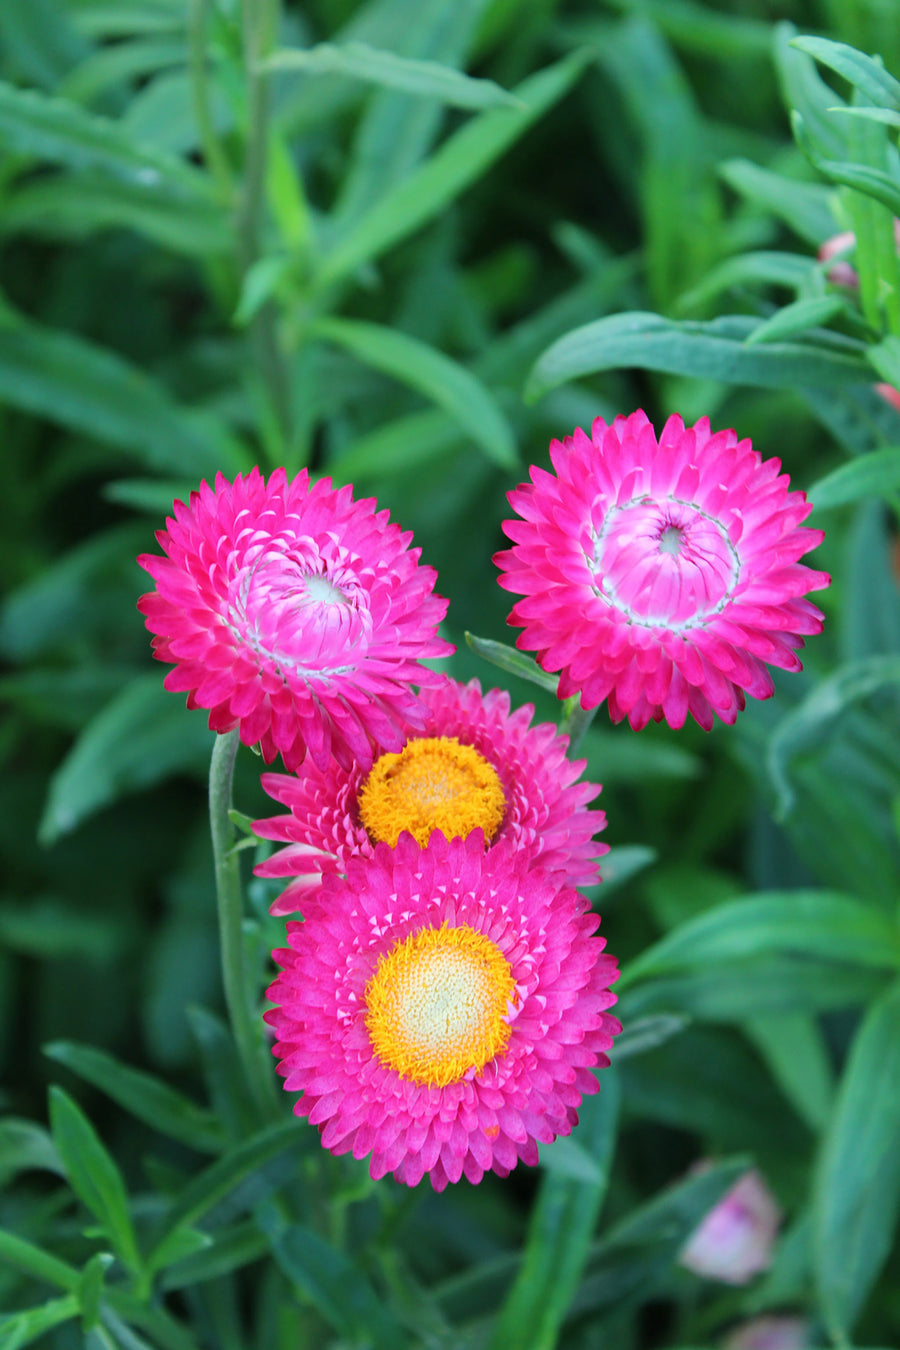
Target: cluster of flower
[{"x": 444, "y": 1001}]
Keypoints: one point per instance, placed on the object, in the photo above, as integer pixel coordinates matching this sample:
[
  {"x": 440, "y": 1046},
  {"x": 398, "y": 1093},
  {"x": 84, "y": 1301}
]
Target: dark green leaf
[
  {"x": 146, "y": 1097},
  {"x": 23, "y": 1146},
  {"x": 36, "y": 1263},
  {"x": 92, "y": 1174},
  {"x": 857, "y": 1187},
  {"x": 229, "y": 1249}
]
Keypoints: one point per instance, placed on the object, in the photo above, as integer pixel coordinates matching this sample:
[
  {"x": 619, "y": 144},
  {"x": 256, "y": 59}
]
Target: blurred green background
[{"x": 214, "y": 256}]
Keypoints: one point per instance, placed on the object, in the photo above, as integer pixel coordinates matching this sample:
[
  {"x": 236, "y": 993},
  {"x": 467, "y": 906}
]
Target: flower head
[
  {"x": 735, "y": 1240},
  {"x": 662, "y": 576},
  {"x": 473, "y": 765},
  {"x": 441, "y": 1009},
  {"x": 296, "y": 613}
]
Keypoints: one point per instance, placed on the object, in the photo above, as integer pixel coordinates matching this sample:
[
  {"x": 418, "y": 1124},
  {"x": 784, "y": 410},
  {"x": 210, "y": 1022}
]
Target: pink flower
[
  {"x": 296, "y": 613},
  {"x": 442, "y": 1008},
  {"x": 662, "y": 576},
  {"x": 770, "y": 1333},
  {"x": 735, "y": 1240},
  {"x": 474, "y": 764}
]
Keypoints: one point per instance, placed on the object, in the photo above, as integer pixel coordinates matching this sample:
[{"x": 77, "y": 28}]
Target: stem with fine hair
[{"x": 245, "y": 1025}]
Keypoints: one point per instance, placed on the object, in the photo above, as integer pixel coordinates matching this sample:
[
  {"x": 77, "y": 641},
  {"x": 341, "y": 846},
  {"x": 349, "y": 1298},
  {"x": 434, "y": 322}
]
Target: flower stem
[
  {"x": 575, "y": 721},
  {"x": 245, "y": 1024}
]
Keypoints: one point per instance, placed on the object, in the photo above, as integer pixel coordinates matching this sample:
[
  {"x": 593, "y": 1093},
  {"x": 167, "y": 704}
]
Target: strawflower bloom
[
  {"x": 296, "y": 613},
  {"x": 736, "y": 1239},
  {"x": 663, "y": 575},
  {"x": 771, "y": 1333},
  {"x": 441, "y": 1009},
  {"x": 474, "y": 765}
]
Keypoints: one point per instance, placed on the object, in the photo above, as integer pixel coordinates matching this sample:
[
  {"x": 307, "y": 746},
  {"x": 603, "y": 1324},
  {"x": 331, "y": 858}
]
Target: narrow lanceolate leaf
[
  {"x": 513, "y": 662},
  {"x": 857, "y": 1188},
  {"x": 873, "y": 182},
  {"x": 92, "y": 1174},
  {"x": 359, "y": 61},
  {"x": 57, "y": 131},
  {"x": 816, "y": 924},
  {"x": 714, "y": 351},
  {"x": 874, "y": 475},
  {"x": 804, "y": 725},
  {"x": 146, "y": 1097},
  {"x": 25, "y": 1146},
  {"x": 805, "y": 207},
  {"x": 459, "y": 162},
  {"x": 450, "y": 385},
  {"x": 22, "y": 1328},
  {"x": 142, "y": 736},
  {"x": 77, "y": 384},
  {"x": 863, "y": 72},
  {"x": 797, "y": 318},
  {"x": 559, "y": 1235}
]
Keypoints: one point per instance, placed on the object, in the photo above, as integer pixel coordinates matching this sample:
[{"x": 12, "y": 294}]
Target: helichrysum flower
[
  {"x": 661, "y": 576},
  {"x": 442, "y": 1009},
  {"x": 296, "y": 613},
  {"x": 736, "y": 1239},
  {"x": 474, "y": 765}
]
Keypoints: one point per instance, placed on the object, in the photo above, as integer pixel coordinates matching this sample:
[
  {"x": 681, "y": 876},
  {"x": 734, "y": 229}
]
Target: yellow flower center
[
  {"x": 437, "y": 1003},
  {"x": 433, "y": 784}
]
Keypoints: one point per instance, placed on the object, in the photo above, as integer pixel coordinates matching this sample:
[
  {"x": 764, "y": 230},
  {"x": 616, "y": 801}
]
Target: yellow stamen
[
  {"x": 437, "y": 1004},
  {"x": 433, "y": 784}
]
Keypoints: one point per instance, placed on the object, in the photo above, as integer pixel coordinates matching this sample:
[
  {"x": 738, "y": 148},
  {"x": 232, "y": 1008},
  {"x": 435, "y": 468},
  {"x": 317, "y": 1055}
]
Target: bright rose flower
[
  {"x": 735, "y": 1240},
  {"x": 442, "y": 1008},
  {"x": 770, "y": 1333},
  {"x": 296, "y": 613},
  {"x": 474, "y": 765},
  {"x": 661, "y": 576}
]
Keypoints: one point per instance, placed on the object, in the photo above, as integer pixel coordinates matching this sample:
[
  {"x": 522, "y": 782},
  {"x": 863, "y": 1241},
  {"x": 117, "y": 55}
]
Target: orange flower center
[
  {"x": 433, "y": 784},
  {"x": 437, "y": 1003}
]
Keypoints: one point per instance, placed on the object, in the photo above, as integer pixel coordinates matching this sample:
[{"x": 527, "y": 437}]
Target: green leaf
[
  {"x": 70, "y": 381},
  {"x": 47, "y": 929},
  {"x": 139, "y": 738},
  {"x": 36, "y": 1263},
  {"x": 798, "y": 1057},
  {"x": 863, "y": 72},
  {"x": 805, "y": 724},
  {"x": 617, "y": 757},
  {"x": 559, "y": 1232},
  {"x": 260, "y": 283},
  {"x": 120, "y": 63},
  {"x": 646, "y": 1033},
  {"x": 148, "y": 1098},
  {"x": 361, "y": 62},
  {"x": 798, "y": 317},
  {"x": 884, "y": 357},
  {"x": 227, "y": 1250},
  {"x": 512, "y": 661},
  {"x": 460, "y": 161},
  {"x": 815, "y": 924},
  {"x": 23, "y": 1146},
  {"x": 450, "y": 385},
  {"x": 857, "y": 1184},
  {"x": 873, "y": 475},
  {"x": 337, "y": 1288},
  {"x": 21, "y": 1328},
  {"x": 805, "y": 207},
  {"x": 90, "y": 1288},
  {"x": 884, "y": 116},
  {"x": 624, "y": 862},
  {"x": 769, "y": 268},
  {"x": 57, "y": 131},
  {"x": 178, "y": 1245},
  {"x": 92, "y": 1174},
  {"x": 711, "y": 351},
  {"x": 873, "y": 182}
]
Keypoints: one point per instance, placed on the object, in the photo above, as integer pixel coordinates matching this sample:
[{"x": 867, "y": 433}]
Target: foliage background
[{"x": 207, "y": 263}]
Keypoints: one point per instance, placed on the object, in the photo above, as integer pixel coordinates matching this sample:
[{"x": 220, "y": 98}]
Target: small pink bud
[
  {"x": 889, "y": 394},
  {"x": 841, "y": 273},
  {"x": 734, "y": 1242},
  {"x": 770, "y": 1333}
]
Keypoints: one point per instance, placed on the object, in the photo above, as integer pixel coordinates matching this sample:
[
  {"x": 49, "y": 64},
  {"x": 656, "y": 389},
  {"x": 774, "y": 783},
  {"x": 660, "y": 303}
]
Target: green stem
[
  {"x": 245, "y": 1024},
  {"x": 213, "y": 153},
  {"x": 575, "y": 721}
]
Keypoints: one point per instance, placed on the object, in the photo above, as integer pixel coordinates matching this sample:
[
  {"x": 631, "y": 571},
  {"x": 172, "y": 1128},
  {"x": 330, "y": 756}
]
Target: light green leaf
[
  {"x": 361, "y": 62},
  {"x": 794, "y": 319},
  {"x": 120, "y": 63},
  {"x": 874, "y": 183},
  {"x": 21, "y": 1328},
  {"x": 857, "y": 1184},
  {"x": 775, "y": 269},
  {"x": 863, "y": 72},
  {"x": 460, "y": 161},
  {"x": 178, "y": 1245},
  {"x": 512, "y": 661},
  {"x": 873, "y": 475},
  {"x": 401, "y": 446},
  {"x": 260, "y": 283},
  {"x": 815, "y": 924},
  {"x": 646, "y": 1033},
  {"x": 454, "y": 388},
  {"x": 142, "y": 736},
  {"x": 92, "y": 1174},
  {"x": 884, "y": 357},
  {"x": 227, "y": 1250},
  {"x": 146, "y": 1097},
  {"x": 886, "y": 116},
  {"x": 805, "y": 207},
  {"x": 90, "y": 1288},
  {"x": 559, "y": 1232},
  {"x": 70, "y": 381},
  {"x": 804, "y": 725},
  {"x": 712, "y": 351}
]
